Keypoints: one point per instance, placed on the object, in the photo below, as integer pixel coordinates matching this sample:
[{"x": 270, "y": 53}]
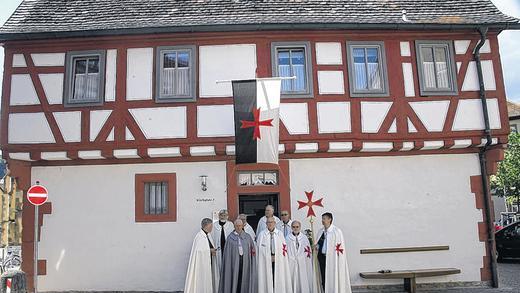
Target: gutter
[
  {"x": 490, "y": 241},
  {"x": 6, "y": 36}
]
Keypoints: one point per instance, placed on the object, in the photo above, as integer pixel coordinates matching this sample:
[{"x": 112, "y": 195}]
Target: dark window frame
[
  {"x": 384, "y": 92},
  {"x": 306, "y": 46},
  {"x": 68, "y": 91},
  {"x": 452, "y": 67},
  {"x": 140, "y": 181},
  {"x": 160, "y": 51}
]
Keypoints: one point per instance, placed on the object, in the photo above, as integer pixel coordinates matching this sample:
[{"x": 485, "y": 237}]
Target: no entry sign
[{"x": 37, "y": 195}]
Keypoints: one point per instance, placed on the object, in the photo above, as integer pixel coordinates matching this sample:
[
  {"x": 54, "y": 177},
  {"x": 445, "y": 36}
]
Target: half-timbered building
[{"x": 396, "y": 118}]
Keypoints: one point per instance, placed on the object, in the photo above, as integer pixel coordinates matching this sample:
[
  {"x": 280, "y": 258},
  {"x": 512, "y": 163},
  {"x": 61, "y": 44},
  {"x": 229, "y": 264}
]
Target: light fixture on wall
[{"x": 204, "y": 182}]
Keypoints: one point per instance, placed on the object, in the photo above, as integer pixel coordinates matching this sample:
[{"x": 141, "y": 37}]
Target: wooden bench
[{"x": 409, "y": 276}]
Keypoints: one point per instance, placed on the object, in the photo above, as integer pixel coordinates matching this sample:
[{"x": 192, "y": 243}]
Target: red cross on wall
[{"x": 256, "y": 123}]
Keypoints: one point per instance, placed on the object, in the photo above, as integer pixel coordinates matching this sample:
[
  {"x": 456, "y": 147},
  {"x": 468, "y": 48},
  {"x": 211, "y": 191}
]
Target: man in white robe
[
  {"x": 269, "y": 213},
  {"x": 221, "y": 230},
  {"x": 273, "y": 263},
  {"x": 285, "y": 224},
  {"x": 203, "y": 273},
  {"x": 300, "y": 261},
  {"x": 247, "y": 228},
  {"x": 332, "y": 257}
]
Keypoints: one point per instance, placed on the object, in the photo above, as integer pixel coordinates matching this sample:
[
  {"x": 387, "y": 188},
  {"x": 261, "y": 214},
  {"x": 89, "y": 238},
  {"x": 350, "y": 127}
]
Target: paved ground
[{"x": 509, "y": 274}]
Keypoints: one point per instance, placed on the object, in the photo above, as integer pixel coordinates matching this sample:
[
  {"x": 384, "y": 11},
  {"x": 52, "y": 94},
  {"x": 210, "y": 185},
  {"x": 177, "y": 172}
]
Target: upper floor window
[
  {"x": 175, "y": 80},
  {"x": 436, "y": 65},
  {"x": 85, "y": 78},
  {"x": 293, "y": 59},
  {"x": 367, "y": 69}
]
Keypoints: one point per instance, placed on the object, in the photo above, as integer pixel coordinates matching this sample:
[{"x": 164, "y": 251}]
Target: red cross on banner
[{"x": 256, "y": 123}]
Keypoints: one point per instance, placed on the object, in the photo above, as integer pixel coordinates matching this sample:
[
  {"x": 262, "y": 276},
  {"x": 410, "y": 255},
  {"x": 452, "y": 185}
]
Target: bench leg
[{"x": 410, "y": 285}]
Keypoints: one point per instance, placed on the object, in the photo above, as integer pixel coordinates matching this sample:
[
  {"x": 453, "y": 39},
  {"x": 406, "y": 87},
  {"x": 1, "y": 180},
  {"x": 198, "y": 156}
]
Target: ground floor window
[{"x": 155, "y": 197}]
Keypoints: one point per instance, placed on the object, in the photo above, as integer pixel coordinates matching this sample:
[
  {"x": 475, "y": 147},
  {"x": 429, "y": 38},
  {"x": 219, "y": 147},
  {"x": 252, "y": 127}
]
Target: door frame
[{"x": 234, "y": 190}]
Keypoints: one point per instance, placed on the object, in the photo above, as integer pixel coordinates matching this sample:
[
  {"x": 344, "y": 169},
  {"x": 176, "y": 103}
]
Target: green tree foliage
[{"x": 506, "y": 183}]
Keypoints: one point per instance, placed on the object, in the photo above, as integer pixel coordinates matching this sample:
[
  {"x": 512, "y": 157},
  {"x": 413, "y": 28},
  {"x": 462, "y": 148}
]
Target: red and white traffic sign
[{"x": 37, "y": 195}]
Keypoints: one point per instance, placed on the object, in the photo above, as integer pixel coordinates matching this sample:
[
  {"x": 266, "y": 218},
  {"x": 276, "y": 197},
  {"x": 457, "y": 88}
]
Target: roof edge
[{"x": 252, "y": 27}]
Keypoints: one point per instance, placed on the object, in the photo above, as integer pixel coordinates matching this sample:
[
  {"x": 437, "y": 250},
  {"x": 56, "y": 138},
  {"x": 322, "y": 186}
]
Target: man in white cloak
[
  {"x": 221, "y": 230},
  {"x": 300, "y": 261},
  {"x": 247, "y": 228},
  {"x": 285, "y": 224},
  {"x": 269, "y": 213},
  {"x": 273, "y": 263},
  {"x": 332, "y": 257},
  {"x": 203, "y": 273}
]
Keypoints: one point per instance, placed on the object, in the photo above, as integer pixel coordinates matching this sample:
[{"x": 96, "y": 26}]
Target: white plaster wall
[
  {"x": 97, "y": 120},
  {"x": 139, "y": 74},
  {"x": 19, "y": 60},
  {"x": 432, "y": 114},
  {"x": 48, "y": 59},
  {"x": 471, "y": 82},
  {"x": 416, "y": 201},
  {"x": 333, "y": 117},
  {"x": 295, "y": 117},
  {"x": 215, "y": 120},
  {"x": 329, "y": 53},
  {"x": 224, "y": 62},
  {"x": 29, "y": 128},
  {"x": 405, "y": 49},
  {"x": 469, "y": 115},
  {"x": 461, "y": 46},
  {"x": 409, "y": 83},
  {"x": 22, "y": 91},
  {"x": 373, "y": 114},
  {"x": 69, "y": 124},
  {"x": 52, "y": 84},
  {"x": 163, "y": 122},
  {"x": 91, "y": 241},
  {"x": 111, "y": 72},
  {"x": 331, "y": 82}
]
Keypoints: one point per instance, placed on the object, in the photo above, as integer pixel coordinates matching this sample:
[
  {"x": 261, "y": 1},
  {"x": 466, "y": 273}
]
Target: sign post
[{"x": 36, "y": 195}]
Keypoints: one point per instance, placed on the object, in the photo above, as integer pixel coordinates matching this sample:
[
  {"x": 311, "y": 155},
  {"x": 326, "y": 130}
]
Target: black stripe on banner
[{"x": 244, "y": 100}]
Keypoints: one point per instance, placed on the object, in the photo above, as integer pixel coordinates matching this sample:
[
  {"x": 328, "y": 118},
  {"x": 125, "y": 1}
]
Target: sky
[{"x": 509, "y": 45}]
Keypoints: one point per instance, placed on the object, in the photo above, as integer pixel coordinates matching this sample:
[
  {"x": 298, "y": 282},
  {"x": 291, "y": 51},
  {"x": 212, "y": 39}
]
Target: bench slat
[{"x": 410, "y": 273}]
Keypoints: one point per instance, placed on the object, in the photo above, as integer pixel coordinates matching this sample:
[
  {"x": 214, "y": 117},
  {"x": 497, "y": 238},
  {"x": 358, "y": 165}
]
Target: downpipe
[{"x": 490, "y": 241}]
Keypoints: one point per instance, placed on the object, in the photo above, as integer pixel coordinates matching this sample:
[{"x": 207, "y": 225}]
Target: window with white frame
[
  {"x": 175, "y": 80},
  {"x": 85, "y": 78},
  {"x": 367, "y": 69},
  {"x": 292, "y": 59},
  {"x": 436, "y": 65}
]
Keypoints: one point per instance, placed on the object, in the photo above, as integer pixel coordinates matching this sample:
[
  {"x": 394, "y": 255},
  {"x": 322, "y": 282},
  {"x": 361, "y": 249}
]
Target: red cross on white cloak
[
  {"x": 308, "y": 251},
  {"x": 284, "y": 249},
  {"x": 256, "y": 123},
  {"x": 253, "y": 251},
  {"x": 339, "y": 249}
]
